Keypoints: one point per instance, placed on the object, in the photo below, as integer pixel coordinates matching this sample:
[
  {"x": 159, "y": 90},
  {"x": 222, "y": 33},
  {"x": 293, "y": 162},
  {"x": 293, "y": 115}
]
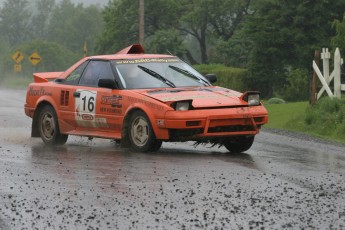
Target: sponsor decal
[
  {"x": 114, "y": 101},
  {"x": 145, "y": 102},
  {"x": 87, "y": 117},
  {"x": 147, "y": 60},
  {"x": 101, "y": 122},
  {"x": 38, "y": 92},
  {"x": 110, "y": 110}
]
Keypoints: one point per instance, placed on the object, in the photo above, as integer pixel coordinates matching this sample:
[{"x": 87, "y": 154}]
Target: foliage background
[{"x": 264, "y": 45}]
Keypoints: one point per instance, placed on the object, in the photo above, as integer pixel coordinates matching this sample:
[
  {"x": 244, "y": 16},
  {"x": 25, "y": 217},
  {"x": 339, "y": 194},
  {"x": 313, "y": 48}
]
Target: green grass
[
  {"x": 325, "y": 120},
  {"x": 288, "y": 116}
]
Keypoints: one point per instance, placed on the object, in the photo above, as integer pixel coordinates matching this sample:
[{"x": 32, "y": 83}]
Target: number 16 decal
[
  {"x": 89, "y": 103},
  {"x": 85, "y": 107}
]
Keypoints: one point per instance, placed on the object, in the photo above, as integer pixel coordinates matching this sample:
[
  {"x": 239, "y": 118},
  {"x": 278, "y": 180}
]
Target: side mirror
[
  {"x": 211, "y": 77},
  {"x": 107, "y": 83}
]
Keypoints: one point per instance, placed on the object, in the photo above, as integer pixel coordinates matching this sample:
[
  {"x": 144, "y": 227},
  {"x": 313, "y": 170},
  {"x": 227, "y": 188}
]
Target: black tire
[
  {"x": 157, "y": 145},
  {"x": 48, "y": 127},
  {"x": 238, "y": 144},
  {"x": 141, "y": 135}
]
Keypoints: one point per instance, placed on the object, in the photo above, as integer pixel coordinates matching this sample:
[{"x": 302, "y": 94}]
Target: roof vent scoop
[{"x": 132, "y": 49}]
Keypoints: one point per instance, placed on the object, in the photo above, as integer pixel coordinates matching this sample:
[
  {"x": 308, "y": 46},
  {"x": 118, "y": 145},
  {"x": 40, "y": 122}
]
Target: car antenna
[
  {"x": 176, "y": 56},
  {"x": 170, "y": 53}
]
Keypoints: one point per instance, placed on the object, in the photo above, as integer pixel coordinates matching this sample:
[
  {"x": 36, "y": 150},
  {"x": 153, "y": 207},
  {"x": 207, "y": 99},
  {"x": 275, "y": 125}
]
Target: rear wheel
[
  {"x": 238, "y": 144},
  {"x": 48, "y": 127},
  {"x": 141, "y": 135}
]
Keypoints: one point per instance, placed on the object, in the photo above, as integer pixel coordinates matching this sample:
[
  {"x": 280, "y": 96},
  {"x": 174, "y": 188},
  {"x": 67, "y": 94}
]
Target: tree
[
  {"x": 194, "y": 21},
  {"x": 121, "y": 26},
  {"x": 15, "y": 21},
  {"x": 166, "y": 41},
  {"x": 226, "y": 16},
  {"x": 40, "y": 20},
  {"x": 339, "y": 39},
  {"x": 284, "y": 35},
  {"x": 71, "y": 25}
]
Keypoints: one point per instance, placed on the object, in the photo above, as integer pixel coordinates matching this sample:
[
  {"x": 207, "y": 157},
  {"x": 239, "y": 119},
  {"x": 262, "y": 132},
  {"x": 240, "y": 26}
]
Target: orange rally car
[{"x": 141, "y": 100}]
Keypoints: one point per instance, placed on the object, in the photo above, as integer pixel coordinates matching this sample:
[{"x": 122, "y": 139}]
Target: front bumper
[{"x": 213, "y": 123}]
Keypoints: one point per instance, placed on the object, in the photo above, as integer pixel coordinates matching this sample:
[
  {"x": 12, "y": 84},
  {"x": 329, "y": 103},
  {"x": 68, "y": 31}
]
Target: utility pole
[
  {"x": 313, "y": 95},
  {"x": 141, "y": 21}
]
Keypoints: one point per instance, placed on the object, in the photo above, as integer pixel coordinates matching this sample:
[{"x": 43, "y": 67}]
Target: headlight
[
  {"x": 182, "y": 105},
  {"x": 253, "y": 99}
]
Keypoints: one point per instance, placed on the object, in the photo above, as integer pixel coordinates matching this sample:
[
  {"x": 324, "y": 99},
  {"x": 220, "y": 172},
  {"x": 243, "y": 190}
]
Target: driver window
[
  {"x": 74, "y": 77},
  {"x": 94, "y": 71}
]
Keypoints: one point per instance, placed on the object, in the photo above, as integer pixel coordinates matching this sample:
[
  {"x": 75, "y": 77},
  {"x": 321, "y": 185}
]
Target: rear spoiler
[
  {"x": 45, "y": 77},
  {"x": 133, "y": 49}
]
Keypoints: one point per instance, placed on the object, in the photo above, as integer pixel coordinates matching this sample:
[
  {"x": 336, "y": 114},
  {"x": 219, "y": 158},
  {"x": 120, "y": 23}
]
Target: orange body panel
[{"x": 103, "y": 112}]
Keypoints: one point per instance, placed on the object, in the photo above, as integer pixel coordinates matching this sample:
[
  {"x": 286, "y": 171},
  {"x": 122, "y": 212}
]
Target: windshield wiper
[
  {"x": 188, "y": 74},
  {"x": 157, "y": 76}
]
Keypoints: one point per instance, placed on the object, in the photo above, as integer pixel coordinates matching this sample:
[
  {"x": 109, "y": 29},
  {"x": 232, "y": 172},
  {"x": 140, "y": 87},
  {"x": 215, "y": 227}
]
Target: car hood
[{"x": 201, "y": 97}]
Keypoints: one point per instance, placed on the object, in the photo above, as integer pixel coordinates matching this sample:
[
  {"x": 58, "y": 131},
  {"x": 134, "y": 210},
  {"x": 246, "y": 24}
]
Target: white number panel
[{"x": 85, "y": 108}]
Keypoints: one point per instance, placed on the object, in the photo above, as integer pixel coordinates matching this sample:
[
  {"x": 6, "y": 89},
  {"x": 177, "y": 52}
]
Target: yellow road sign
[
  {"x": 35, "y": 58},
  {"x": 17, "y": 68},
  {"x": 17, "y": 56}
]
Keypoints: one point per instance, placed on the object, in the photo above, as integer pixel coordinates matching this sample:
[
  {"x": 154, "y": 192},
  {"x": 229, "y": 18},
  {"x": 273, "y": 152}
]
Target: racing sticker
[
  {"x": 114, "y": 102},
  {"x": 85, "y": 107},
  {"x": 147, "y": 60}
]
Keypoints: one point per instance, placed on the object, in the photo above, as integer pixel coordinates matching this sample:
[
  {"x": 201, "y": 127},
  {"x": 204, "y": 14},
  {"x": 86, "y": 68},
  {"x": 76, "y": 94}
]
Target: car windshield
[{"x": 157, "y": 73}]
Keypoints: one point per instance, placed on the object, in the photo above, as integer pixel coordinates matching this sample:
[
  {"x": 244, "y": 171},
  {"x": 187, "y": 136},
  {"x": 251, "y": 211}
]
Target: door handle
[{"x": 76, "y": 94}]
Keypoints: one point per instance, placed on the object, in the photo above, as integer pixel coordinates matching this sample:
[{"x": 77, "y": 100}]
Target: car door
[
  {"x": 66, "y": 100},
  {"x": 97, "y": 109}
]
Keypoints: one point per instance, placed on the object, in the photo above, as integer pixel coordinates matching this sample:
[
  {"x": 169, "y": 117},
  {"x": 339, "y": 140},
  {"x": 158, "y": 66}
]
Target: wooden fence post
[
  {"x": 337, "y": 72},
  {"x": 312, "y": 99},
  {"x": 325, "y": 56}
]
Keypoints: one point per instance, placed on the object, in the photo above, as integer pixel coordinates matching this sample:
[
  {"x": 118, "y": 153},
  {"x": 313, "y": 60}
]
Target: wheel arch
[
  {"x": 124, "y": 131},
  {"x": 39, "y": 106}
]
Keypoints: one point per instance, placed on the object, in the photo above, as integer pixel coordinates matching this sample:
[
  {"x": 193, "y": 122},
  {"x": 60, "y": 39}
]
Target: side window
[
  {"x": 74, "y": 77},
  {"x": 94, "y": 71}
]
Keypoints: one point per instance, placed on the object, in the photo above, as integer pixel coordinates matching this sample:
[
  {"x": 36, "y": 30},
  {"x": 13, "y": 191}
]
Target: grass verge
[{"x": 325, "y": 120}]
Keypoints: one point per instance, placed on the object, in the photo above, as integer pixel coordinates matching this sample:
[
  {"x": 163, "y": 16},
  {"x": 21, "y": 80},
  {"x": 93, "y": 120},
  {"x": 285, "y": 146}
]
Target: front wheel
[
  {"x": 141, "y": 135},
  {"x": 49, "y": 128},
  {"x": 238, "y": 144}
]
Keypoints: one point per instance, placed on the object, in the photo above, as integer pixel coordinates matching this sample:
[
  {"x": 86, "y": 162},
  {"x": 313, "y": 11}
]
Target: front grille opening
[
  {"x": 192, "y": 123},
  {"x": 258, "y": 119},
  {"x": 182, "y": 134},
  {"x": 232, "y": 128}
]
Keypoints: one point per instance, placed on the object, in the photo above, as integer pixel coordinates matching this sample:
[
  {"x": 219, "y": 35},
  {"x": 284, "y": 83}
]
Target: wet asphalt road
[{"x": 283, "y": 181}]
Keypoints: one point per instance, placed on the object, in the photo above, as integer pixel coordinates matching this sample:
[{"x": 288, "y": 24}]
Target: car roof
[
  {"x": 129, "y": 56},
  {"x": 135, "y": 51}
]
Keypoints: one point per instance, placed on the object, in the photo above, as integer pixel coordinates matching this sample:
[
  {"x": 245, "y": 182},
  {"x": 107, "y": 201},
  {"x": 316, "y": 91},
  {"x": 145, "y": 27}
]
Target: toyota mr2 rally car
[{"x": 141, "y": 100}]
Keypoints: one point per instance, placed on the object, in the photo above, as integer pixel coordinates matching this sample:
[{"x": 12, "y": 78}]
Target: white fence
[{"x": 327, "y": 78}]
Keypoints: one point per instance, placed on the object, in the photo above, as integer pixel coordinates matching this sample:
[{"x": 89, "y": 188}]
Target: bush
[
  {"x": 327, "y": 117},
  {"x": 296, "y": 88},
  {"x": 228, "y": 77},
  {"x": 275, "y": 100},
  {"x": 54, "y": 57}
]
